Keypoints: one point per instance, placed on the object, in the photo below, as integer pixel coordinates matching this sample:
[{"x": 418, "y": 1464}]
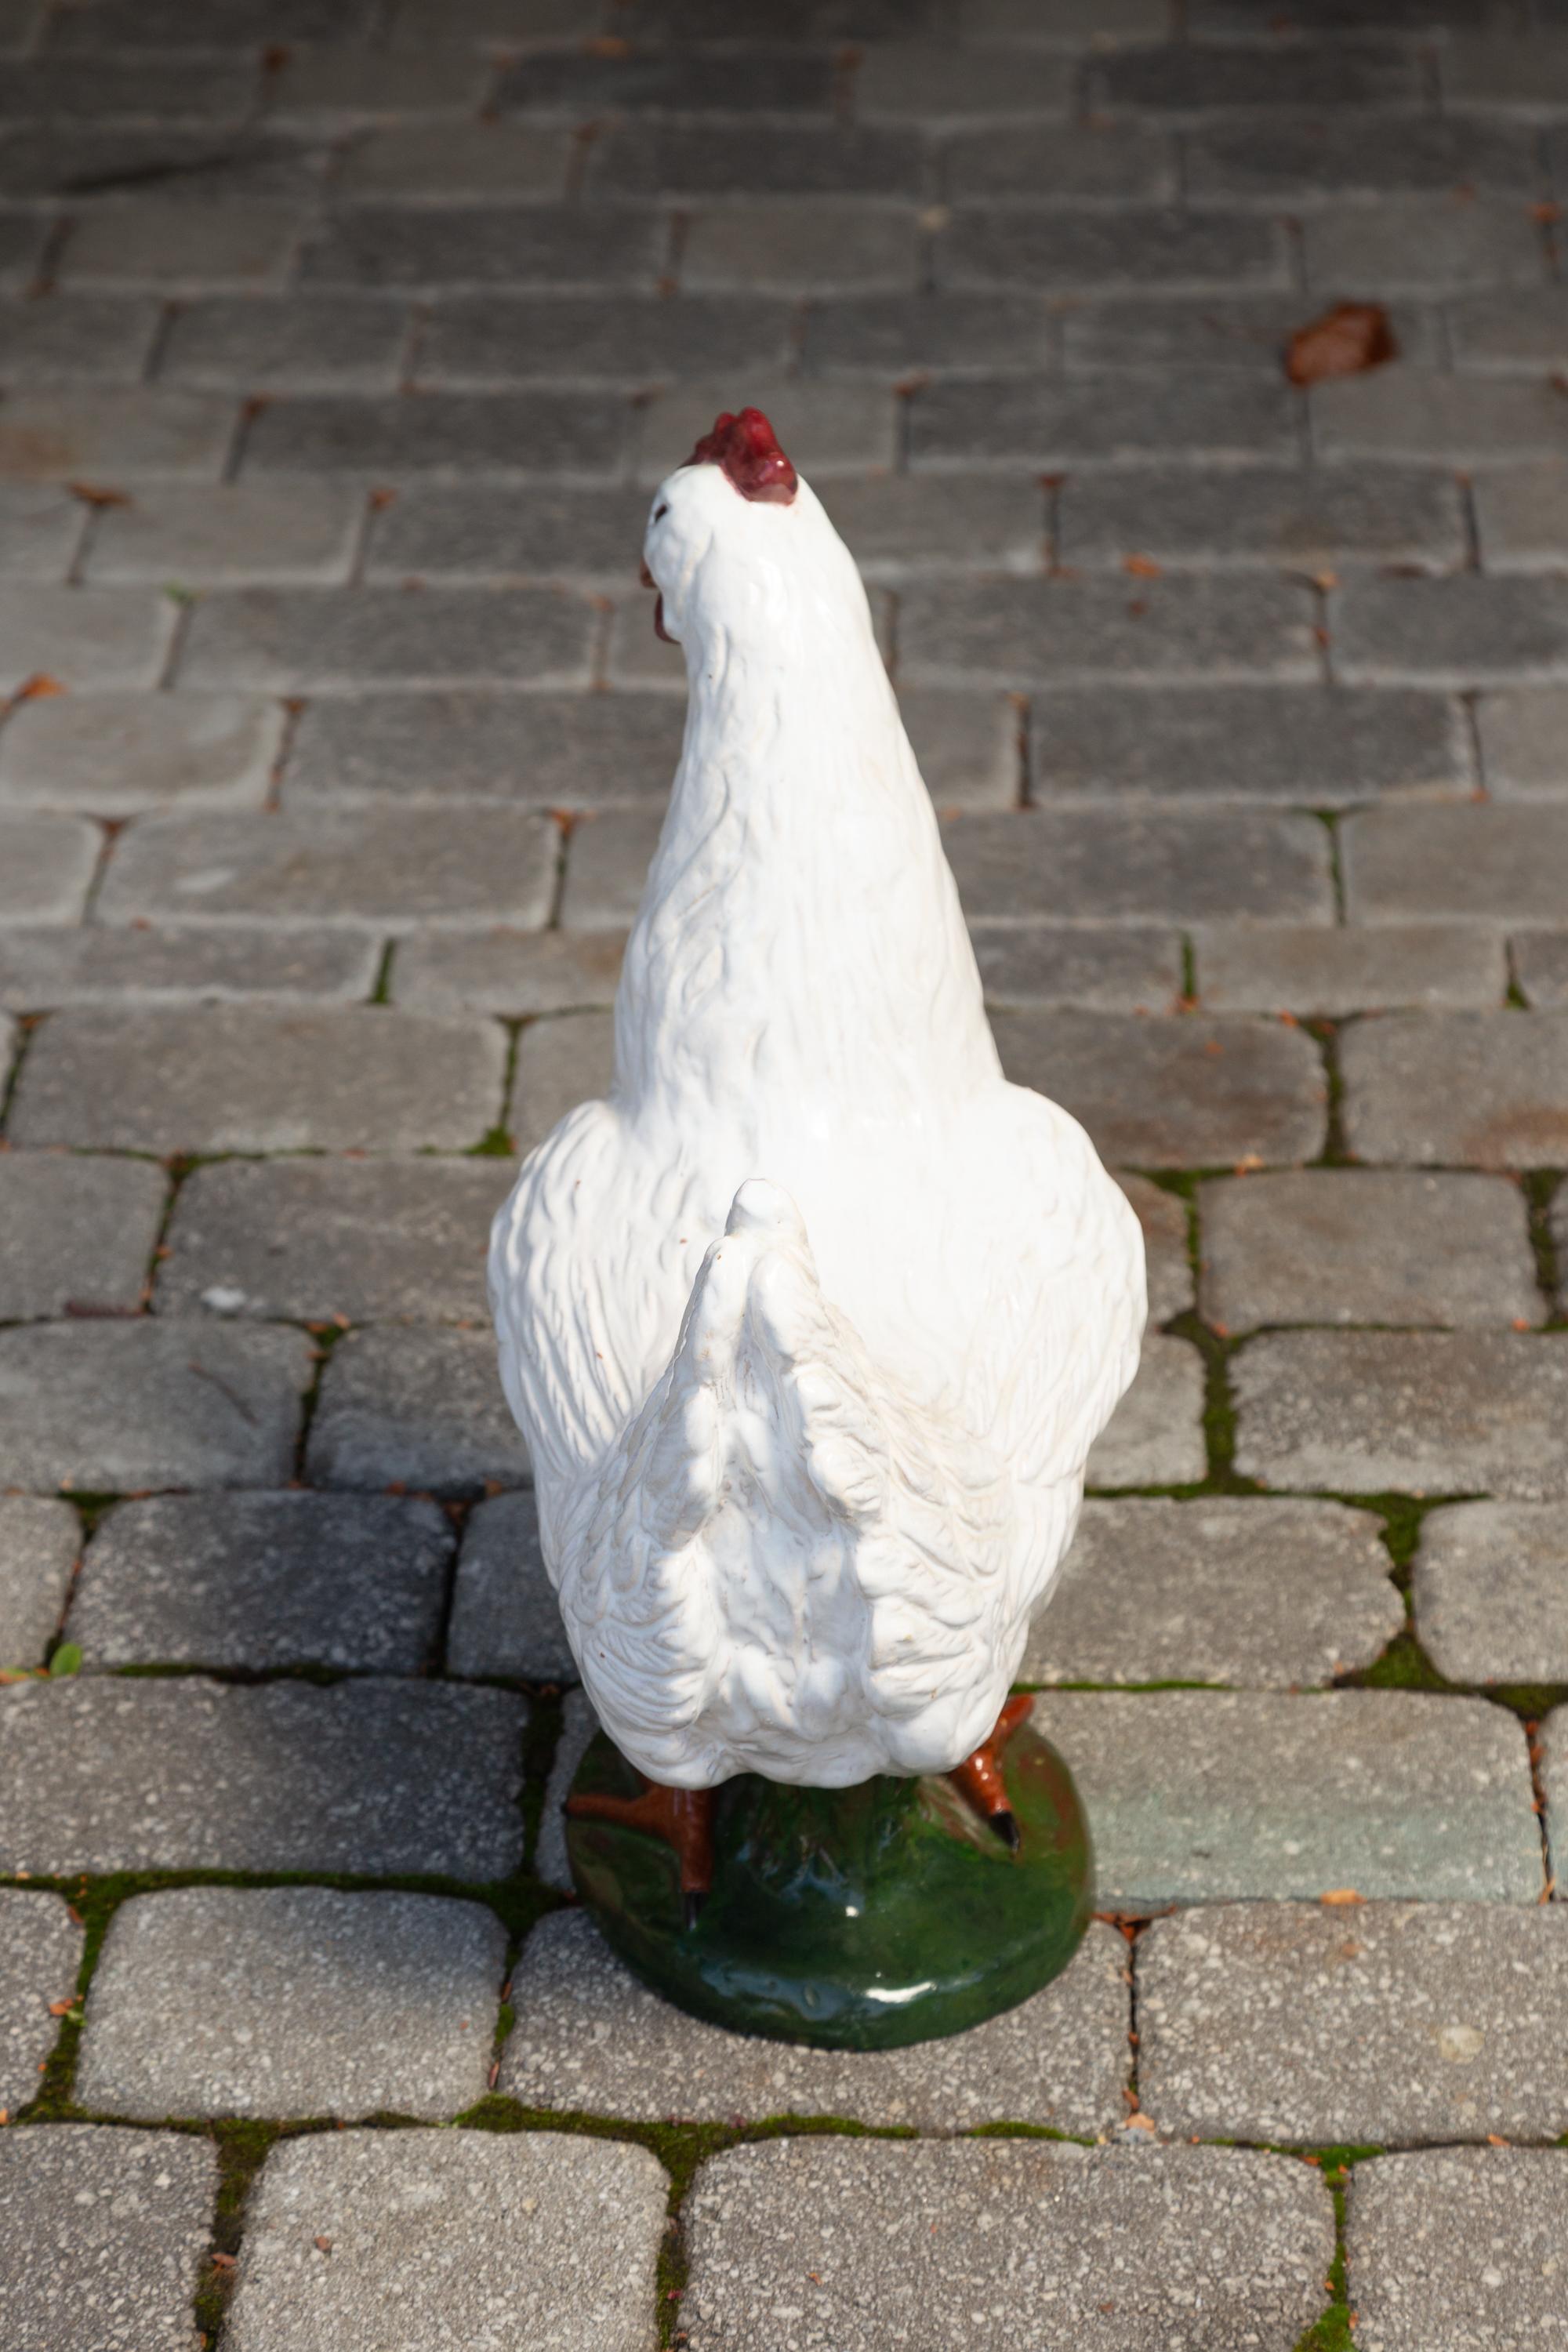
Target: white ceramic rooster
[{"x": 811, "y": 1325}]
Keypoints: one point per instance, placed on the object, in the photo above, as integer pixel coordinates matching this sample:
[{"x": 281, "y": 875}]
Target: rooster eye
[{"x": 659, "y": 512}]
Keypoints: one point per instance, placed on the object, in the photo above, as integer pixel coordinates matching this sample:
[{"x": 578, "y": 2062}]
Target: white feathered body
[{"x": 811, "y": 1325}]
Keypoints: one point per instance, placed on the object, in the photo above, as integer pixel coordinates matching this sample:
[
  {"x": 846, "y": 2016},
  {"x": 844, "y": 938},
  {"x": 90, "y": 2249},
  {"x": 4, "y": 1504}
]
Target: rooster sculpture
[{"x": 810, "y": 1325}]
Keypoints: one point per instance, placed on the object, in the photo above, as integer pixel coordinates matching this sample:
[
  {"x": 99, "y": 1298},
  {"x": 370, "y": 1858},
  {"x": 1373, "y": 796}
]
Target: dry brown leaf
[
  {"x": 1142, "y": 567},
  {"x": 1342, "y": 1895},
  {"x": 1346, "y": 341}
]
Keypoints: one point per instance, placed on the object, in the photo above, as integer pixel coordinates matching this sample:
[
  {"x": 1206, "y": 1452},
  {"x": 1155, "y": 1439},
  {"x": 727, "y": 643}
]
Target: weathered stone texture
[
  {"x": 291, "y": 2001},
  {"x": 505, "y": 1619},
  {"x": 40, "y": 1952},
  {"x": 318, "y": 1240},
  {"x": 1173, "y": 1094},
  {"x": 108, "y": 1407},
  {"x": 1481, "y": 1089},
  {"x": 377, "y": 1779},
  {"x": 420, "y": 1409},
  {"x": 1281, "y": 1593},
  {"x": 76, "y": 1233},
  {"x": 473, "y": 2235},
  {"x": 263, "y": 1581},
  {"x": 102, "y": 2236},
  {"x": 1156, "y": 1436},
  {"x": 235, "y": 1078},
  {"x": 1424, "y": 1412},
  {"x": 1490, "y": 1592},
  {"x": 1368, "y": 2021},
  {"x": 1462, "y": 2245},
  {"x": 1127, "y": 2244},
  {"x": 1220, "y": 1796},
  {"x": 1366, "y": 1245},
  {"x": 39, "y": 1542}
]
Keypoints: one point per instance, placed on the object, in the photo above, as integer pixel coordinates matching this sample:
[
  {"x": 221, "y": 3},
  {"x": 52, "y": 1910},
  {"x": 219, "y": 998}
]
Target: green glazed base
[{"x": 854, "y": 1918}]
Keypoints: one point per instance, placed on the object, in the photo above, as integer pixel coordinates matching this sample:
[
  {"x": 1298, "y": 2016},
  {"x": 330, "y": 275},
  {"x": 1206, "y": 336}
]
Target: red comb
[{"x": 747, "y": 447}]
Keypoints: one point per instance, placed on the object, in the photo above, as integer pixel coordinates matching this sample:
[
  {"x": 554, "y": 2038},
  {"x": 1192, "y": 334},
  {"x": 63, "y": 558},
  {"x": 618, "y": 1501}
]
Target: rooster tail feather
[{"x": 789, "y": 1556}]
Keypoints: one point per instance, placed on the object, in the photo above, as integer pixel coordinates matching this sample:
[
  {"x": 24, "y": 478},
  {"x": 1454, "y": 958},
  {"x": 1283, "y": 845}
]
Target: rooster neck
[{"x": 799, "y": 958}]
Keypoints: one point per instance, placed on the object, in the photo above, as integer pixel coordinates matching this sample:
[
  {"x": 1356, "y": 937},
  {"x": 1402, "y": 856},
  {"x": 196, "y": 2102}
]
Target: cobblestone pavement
[{"x": 340, "y": 342}]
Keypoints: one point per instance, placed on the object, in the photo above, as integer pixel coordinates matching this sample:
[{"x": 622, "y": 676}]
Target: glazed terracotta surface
[{"x": 810, "y": 1326}]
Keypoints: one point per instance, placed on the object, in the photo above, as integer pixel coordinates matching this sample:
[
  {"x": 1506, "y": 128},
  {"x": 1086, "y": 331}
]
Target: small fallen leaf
[
  {"x": 224, "y": 2262},
  {"x": 1341, "y": 1895},
  {"x": 1141, "y": 2123},
  {"x": 1142, "y": 567},
  {"x": 1521, "y": 1323},
  {"x": 1493, "y": 2141},
  {"x": 61, "y": 2008},
  {"x": 92, "y": 494},
  {"x": 1546, "y": 212},
  {"x": 322, "y": 2245},
  {"x": 38, "y": 687},
  {"x": 1346, "y": 341}
]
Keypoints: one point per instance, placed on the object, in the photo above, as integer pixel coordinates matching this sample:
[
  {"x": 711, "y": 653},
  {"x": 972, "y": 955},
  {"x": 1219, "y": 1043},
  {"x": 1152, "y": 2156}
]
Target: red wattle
[{"x": 747, "y": 449}]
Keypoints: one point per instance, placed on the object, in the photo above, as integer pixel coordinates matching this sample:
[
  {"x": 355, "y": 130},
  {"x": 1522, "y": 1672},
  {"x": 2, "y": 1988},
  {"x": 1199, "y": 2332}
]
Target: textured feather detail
[{"x": 788, "y": 1566}]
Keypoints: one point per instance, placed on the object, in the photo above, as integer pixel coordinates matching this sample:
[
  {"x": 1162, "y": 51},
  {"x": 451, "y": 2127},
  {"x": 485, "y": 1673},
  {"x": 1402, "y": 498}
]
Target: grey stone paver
[
  {"x": 545, "y": 751},
  {"x": 505, "y": 1619},
  {"x": 102, "y": 2236},
  {"x": 1373, "y": 2021},
  {"x": 1522, "y": 742},
  {"x": 1156, "y": 1436},
  {"x": 259, "y": 1582},
  {"x": 1218, "y": 1796},
  {"x": 1097, "y": 968},
  {"x": 579, "y": 1725},
  {"x": 39, "y": 1542},
  {"x": 1163, "y": 1217},
  {"x": 380, "y": 1779},
  {"x": 1424, "y": 1412},
  {"x": 114, "y": 754},
  {"x": 312, "y": 1239},
  {"x": 41, "y": 527},
  {"x": 1247, "y": 742},
  {"x": 291, "y": 2001},
  {"x": 508, "y": 972},
  {"x": 163, "y": 967},
  {"x": 76, "y": 1233},
  {"x": 1022, "y": 633},
  {"x": 52, "y": 435},
  {"x": 421, "y": 1409},
  {"x": 296, "y": 342},
  {"x": 1460, "y": 2246},
  {"x": 482, "y": 2237},
  {"x": 1490, "y": 1592},
  {"x": 47, "y": 864},
  {"x": 1222, "y": 1589},
  {"x": 228, "y": 535},
  {"x": 863, "y": 2244},
  {"x": 304, "y": 640},
  {"x": 1282, "y": 517},
  {"x": 108, "y": 1407},
  {"x": 560, "y": 1063},
  {"x": 1273, "y": 968},
  {"x": 237, "y": 1077},
  {"x": 591, "y": 2039},
  {"x": 1484, "y": 862},
  {"x": 1366, "y": 1245},
  {"x": 40, "y": 1951},
  {"x": 1140, "y": 866},
  {"x": 387, "y": 869},
  {"x": 1481, "y": 1089},
  {"x": 1175, "y": 1093}
]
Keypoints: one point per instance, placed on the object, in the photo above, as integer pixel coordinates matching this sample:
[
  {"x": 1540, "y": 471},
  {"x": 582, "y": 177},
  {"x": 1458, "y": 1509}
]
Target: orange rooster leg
[
  {"x": 680, "y": 1818},
  {"x": 979, "y": 1777}
]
